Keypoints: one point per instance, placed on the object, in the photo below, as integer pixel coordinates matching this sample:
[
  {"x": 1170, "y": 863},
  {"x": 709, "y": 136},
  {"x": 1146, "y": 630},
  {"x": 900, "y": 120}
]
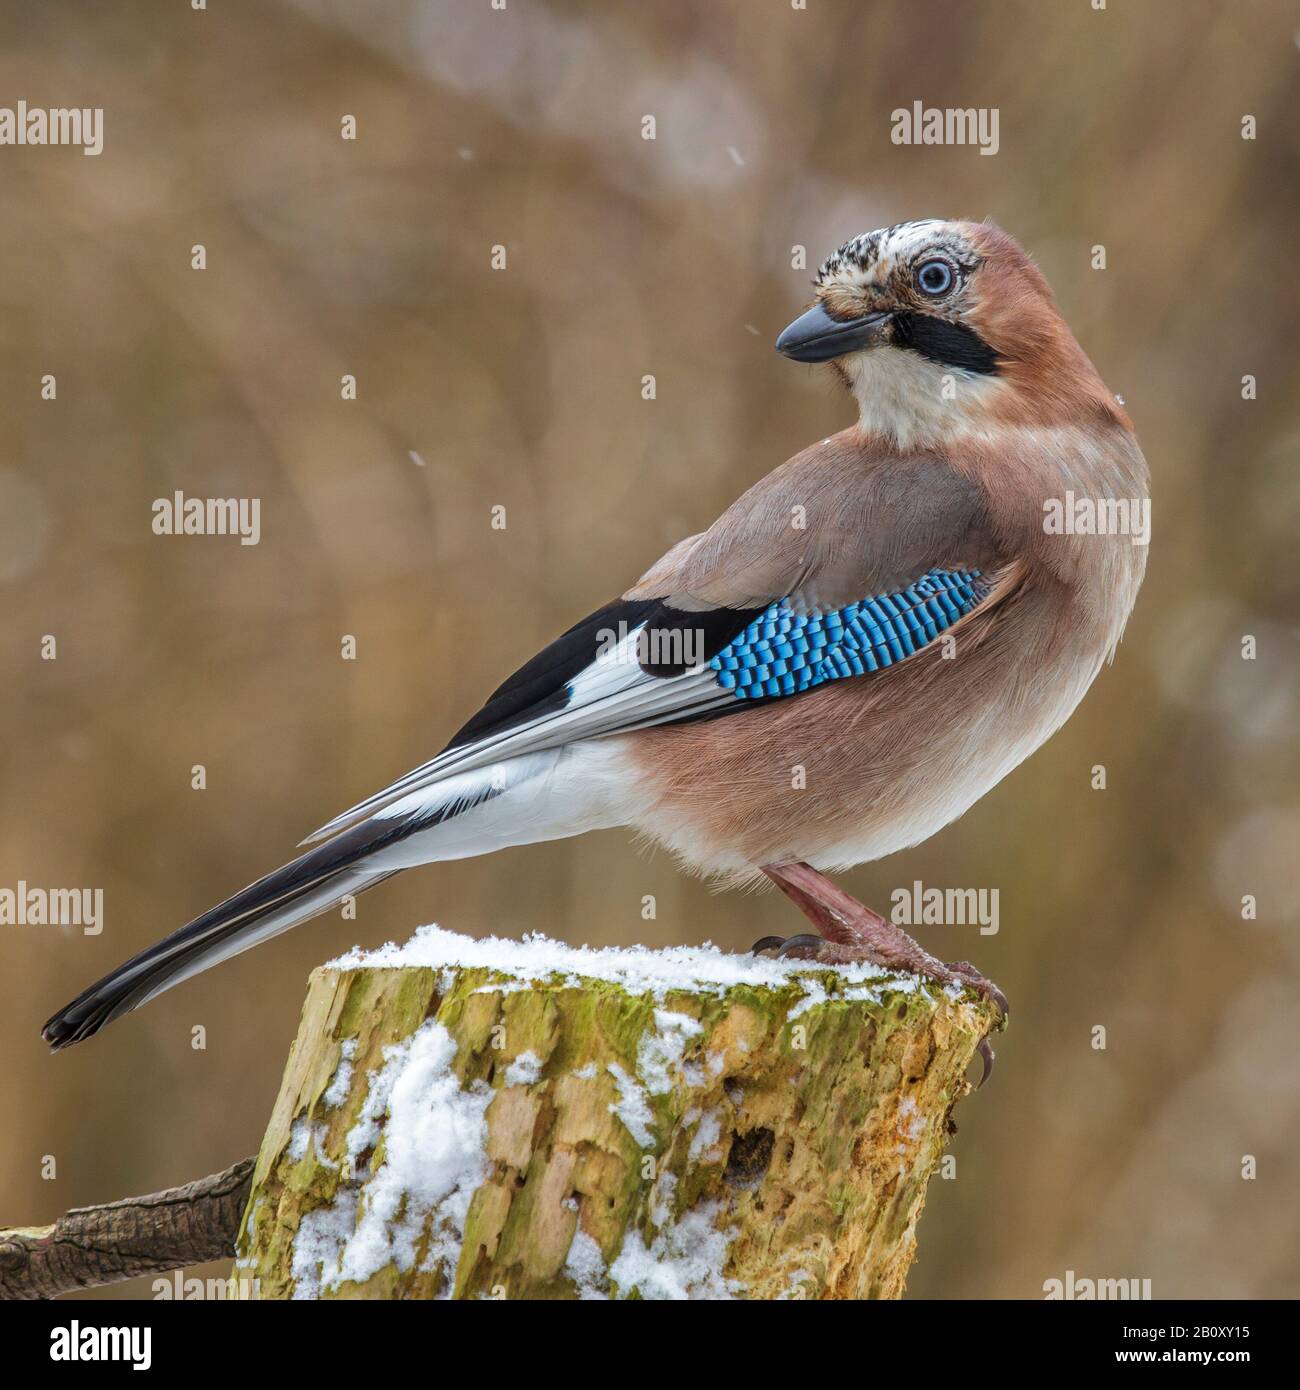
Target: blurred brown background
[{"x": 522, "y": 388}]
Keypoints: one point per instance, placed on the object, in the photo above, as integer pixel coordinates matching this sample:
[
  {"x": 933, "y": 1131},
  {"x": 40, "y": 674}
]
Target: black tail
[{"x": 300, "y": 890}]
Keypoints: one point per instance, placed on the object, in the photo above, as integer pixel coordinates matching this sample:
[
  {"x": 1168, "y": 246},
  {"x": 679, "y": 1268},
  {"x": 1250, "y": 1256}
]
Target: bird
[{"x": 863, "y": 644}]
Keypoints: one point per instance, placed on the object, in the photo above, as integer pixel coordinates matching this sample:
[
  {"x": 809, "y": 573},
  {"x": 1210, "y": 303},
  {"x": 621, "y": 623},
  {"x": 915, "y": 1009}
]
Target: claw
[
  {"x": 971, "y": 976},
  {"x": 795, "y": 943},
  {"x": 989, "y": 1056},
  {"x": 765, "y": 943}
]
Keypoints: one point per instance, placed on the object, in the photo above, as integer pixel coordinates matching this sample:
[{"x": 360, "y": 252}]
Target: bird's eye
[{"x": 934, "y": 277}]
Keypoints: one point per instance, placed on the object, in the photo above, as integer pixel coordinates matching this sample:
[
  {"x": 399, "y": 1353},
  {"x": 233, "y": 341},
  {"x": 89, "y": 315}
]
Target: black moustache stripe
[{"x": 950, "y": 344}]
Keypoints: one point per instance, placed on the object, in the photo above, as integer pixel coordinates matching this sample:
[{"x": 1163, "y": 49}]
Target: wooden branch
[
  {"x": 138, "y": 1235},
  {"x": 484, "y": 1125}
]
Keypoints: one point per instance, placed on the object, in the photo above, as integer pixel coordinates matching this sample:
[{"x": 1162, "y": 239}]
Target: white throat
[{"x": 912, "y": 400}]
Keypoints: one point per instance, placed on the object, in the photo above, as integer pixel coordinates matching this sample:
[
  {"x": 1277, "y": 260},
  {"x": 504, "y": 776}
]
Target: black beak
[{"x": 816, "y": 337}]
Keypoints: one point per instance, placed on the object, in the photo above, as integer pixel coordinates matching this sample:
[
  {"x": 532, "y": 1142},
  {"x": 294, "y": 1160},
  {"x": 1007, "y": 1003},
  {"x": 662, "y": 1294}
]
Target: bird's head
[{"x": 942, "y": 327}]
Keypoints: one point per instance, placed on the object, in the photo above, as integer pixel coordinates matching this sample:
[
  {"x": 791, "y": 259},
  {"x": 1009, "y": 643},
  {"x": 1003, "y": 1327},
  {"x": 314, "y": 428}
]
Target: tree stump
[{"x": 498, "y": 1119}]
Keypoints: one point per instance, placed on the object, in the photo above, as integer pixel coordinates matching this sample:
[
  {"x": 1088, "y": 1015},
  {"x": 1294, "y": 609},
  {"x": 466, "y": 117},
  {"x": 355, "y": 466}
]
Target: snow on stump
[{"x": 500, "y": 1119}]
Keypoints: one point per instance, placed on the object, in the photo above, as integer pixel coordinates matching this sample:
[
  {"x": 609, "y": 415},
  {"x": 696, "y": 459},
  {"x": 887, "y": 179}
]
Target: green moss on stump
[{"x": 788, "y": 1157}]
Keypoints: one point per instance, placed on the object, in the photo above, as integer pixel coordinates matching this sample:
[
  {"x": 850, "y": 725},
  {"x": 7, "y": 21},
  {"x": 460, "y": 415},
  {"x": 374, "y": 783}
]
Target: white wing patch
[{"x": 612, "y": 695}]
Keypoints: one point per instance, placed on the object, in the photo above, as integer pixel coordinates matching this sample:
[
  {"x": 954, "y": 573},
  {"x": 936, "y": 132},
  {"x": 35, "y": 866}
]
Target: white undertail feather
[
  {"x": 543, "y": 796},
  {"x": 540, "y": 796}
]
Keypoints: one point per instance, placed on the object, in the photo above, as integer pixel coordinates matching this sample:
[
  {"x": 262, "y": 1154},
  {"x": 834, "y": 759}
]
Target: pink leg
[{"x": 849, "y": 930}]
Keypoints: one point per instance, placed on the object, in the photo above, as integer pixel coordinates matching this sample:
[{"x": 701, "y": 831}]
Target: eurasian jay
[{"x": 858, "y": 649}]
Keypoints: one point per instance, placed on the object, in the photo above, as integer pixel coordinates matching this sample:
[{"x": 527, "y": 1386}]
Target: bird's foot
[
  {"x": 967, "y": 974},
  {"x": 850, "y": 931}
]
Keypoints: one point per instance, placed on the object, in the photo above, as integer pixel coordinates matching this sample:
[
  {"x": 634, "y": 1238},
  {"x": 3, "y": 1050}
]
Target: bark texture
[
  {"x": 138, "y": 1235},
  {"x": 460, "y": 1132}
]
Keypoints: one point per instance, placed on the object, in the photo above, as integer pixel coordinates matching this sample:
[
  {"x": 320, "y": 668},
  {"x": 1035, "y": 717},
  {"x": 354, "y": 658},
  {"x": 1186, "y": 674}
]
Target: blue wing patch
[{"x": 783, "y": 653}]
